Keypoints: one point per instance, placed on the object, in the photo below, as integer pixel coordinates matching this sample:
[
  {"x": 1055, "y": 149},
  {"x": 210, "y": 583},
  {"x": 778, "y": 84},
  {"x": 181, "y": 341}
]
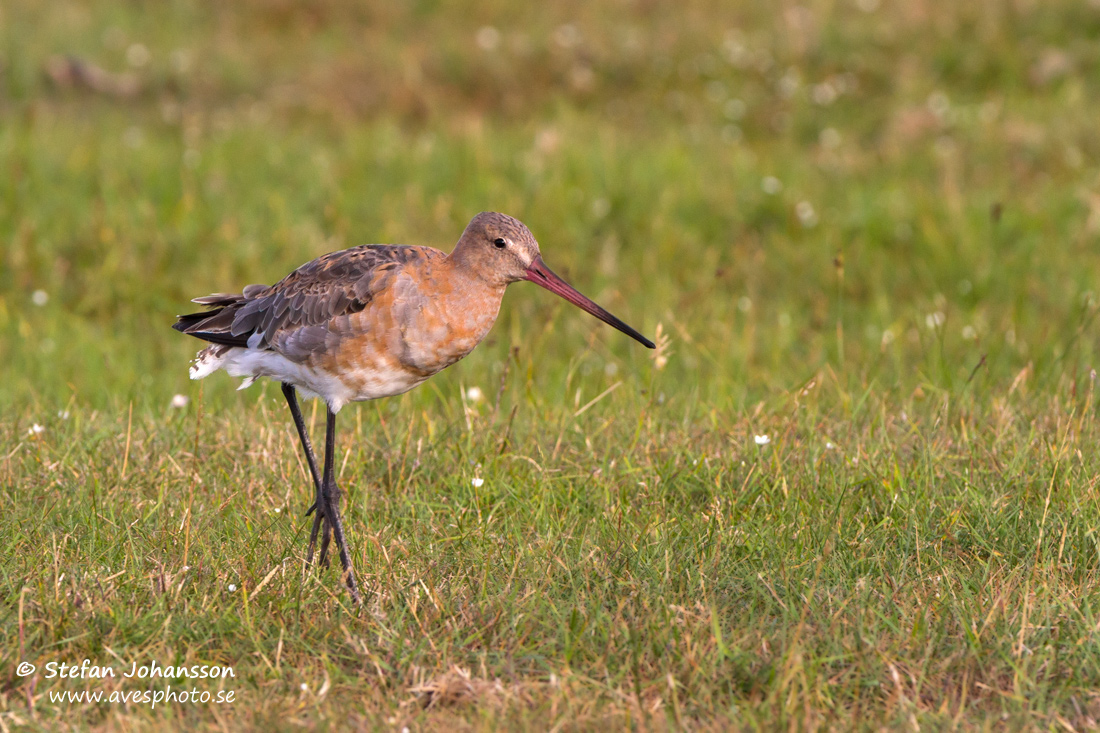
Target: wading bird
[{"x": 368, "y": 322}]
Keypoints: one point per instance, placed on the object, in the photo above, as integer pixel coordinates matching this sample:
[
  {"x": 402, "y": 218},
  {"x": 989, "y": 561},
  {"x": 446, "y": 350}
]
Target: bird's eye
[{"x": 500, "y": 243}]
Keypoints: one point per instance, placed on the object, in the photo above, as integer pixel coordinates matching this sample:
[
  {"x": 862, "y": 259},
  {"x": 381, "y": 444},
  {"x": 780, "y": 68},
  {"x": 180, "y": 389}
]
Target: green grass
[{"x": 907, "y": 311}]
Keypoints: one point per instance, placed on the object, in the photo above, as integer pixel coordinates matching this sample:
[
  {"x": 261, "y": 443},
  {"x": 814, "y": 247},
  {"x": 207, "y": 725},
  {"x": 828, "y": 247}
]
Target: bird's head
[
  {"x": 497, "y": 248},
  {"x": 500, "y": 250}
]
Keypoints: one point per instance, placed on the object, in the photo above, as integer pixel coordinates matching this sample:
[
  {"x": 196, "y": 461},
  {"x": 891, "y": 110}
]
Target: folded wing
[{"x": 296, "y": 311}]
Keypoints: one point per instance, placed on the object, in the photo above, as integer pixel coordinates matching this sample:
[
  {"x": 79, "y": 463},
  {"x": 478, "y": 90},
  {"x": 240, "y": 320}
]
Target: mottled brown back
[{"x": 336, "y": 284}]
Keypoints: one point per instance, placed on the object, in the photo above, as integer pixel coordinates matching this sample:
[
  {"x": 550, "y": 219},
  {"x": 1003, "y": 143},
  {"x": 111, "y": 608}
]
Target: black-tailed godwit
[{"x": 368, "y": 322}]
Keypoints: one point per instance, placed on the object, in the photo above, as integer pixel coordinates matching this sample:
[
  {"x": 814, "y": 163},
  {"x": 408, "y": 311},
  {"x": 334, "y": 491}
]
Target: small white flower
[
  {"x": 829, "y": 445},
  {"x": 474, "y": 394},
  {"x": 278, "y": 509},
  {"x": 137, "y": 55},
  {"x": 735, "y": 109},
  {"x": 63, "y": 414},
  {"x": 806, "y": 214},
  {"x": 488, "y": 38},
  {"x": 185, "y": 568},
  {"x": 824, "y": 93},
  {"x": 938, "y": 104},
  {"x": 180, "y": 400},
  {"x": 788, "y": 84},
  {"x": 934, "y": 319},
  {"x": 36, "y": 429},
  {"x": 567, "y": 35},
  {"x": 771, "y": 185},
  {"x": 232, "y": 587},
  {"x": 478, "y": 482},
  {"x": 304, "y": 687},
  {"x": 761, "y": 439},
  {"x": 40, "y": 297},
  {"x": 829, "y": 138}
]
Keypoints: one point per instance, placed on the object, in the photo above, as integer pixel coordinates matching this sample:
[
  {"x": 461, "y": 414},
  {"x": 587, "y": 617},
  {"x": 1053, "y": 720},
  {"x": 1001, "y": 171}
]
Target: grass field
[{"x": 855, "y": 488}]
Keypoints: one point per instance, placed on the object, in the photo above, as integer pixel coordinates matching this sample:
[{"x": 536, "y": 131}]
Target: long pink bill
[{"x": 540, "y": 274}]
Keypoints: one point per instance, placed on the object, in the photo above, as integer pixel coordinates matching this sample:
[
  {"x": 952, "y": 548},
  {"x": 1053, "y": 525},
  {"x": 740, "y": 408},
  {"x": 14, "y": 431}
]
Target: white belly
[{"x": 311, "y": 382}]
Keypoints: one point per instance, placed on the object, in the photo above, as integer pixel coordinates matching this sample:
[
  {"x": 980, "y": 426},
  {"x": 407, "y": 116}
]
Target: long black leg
[
  {"x": 326, "y": 536},
  {"x": 318, "y": 524},
  {"x": 332, "y": 506},
  {"x": 292, "y": 402}
]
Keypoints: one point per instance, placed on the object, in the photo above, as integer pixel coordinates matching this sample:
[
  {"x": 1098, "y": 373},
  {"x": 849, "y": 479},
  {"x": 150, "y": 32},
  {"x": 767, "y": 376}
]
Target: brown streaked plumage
[{"x": 368, "y": 322}]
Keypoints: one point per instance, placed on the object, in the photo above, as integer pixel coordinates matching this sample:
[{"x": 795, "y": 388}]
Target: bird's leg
[
  {"x": 332, "y": 506},
  {"x": 326, "y": 536},
  {"x": 319, "y": 523},
  {"x": 318, "y": 518}
]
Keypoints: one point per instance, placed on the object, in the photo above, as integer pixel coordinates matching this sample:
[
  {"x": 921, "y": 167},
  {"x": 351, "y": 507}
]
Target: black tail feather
[{"x": 213, "y": 325}]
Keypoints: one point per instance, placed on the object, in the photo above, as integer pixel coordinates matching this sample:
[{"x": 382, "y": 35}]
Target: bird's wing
[{"x": 303, "y": 302}]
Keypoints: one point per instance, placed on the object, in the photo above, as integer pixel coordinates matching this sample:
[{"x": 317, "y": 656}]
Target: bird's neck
[
  {"x": 452, "y": 317},
  {"x": 474, "y": 273}
]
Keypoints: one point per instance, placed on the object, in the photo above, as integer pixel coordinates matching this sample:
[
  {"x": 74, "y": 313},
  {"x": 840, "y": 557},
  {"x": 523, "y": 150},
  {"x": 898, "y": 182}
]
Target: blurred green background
[
  {"x": 706, "y": 165},
  {"x": 856, "y": 486}
]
